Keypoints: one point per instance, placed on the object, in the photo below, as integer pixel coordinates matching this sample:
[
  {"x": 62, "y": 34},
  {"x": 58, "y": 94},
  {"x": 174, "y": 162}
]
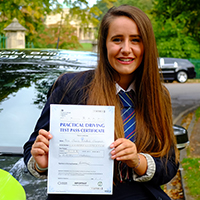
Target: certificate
[{"x": 79, "y": 153}]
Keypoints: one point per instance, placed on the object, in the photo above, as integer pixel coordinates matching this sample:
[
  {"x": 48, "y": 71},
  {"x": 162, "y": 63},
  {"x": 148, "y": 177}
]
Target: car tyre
[{"x": 182, "y": 76}]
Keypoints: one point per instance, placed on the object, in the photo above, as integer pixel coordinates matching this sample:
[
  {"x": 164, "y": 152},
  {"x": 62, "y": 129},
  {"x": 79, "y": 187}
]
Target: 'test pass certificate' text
[{"x": 79, "y": 152}]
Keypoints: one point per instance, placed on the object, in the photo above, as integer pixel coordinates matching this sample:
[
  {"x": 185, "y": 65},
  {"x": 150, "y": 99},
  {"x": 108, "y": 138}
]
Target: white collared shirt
[{"x": 119, "y": 88}]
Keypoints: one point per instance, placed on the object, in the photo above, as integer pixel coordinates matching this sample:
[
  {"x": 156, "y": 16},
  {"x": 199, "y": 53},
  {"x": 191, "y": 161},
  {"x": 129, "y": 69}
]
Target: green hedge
[{"x": 196, "y": 63}]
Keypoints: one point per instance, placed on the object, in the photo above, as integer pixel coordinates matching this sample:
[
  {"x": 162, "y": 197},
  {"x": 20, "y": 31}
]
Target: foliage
[
  {"x": 173, "y": 42},
  {"x": 183, "y": 18},
  {"x": 191, "y": 168},
  {"x": 196, "y": 63},
  {"x": 103, "y": 7},
  {"x": 187, "y": 10},
  {"x": 145, "y": 5}
]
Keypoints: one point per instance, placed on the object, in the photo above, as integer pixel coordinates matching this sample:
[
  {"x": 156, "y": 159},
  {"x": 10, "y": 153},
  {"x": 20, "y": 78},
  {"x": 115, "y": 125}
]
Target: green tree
[
  {"x": 177, "y": 27},
  {"x": 173, "y": 42},
  {"x": 102, "y": 6},
  {"x": 186, "y": 11},
  {"x": 30, "y": 14}
]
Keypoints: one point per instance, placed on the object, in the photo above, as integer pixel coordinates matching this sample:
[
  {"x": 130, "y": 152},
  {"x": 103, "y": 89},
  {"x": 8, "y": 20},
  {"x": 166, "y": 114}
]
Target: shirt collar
[{"x": 131, "y": 87}]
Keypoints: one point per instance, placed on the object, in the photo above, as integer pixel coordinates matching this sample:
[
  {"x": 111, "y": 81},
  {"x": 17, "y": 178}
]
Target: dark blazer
[{"x": 74, "y": 95}]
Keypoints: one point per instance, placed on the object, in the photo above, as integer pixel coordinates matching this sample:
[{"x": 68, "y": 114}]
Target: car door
[{"x": 168, "y": 67}]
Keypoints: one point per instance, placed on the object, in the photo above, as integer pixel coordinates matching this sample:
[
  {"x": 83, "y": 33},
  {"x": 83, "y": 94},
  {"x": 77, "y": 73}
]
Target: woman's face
[{"x": 124, "y": 48}]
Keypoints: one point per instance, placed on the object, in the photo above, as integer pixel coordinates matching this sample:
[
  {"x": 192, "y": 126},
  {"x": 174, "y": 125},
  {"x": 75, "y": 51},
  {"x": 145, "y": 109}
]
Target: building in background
[
  {"x": 85, "y": 34},
  {"x": 15, "y": 34}
]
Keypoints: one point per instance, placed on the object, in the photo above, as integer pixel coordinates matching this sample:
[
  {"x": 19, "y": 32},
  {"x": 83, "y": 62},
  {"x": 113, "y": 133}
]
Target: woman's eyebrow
[
  {"x": 123, "y": 35},
  {"x": 136, "y": 36},
  {"x": 114, "y": 36}
]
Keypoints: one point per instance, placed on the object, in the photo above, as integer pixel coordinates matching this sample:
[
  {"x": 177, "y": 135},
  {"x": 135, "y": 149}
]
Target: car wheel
[{"x": 182, "y": 76}]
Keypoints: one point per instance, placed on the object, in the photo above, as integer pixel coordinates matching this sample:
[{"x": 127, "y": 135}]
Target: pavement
[{"x": 176, "y": 188}]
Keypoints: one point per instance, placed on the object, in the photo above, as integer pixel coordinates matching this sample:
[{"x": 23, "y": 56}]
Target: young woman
[{"x": 127, "y": 62}]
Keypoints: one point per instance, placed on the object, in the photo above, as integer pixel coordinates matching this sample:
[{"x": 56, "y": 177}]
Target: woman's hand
[
  {"x": 40, "y": 148},
  {"x": 126, "y": 151}
]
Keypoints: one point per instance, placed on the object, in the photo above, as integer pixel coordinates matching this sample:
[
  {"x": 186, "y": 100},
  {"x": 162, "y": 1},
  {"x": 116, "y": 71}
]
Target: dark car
[{"x": 176, "y": 69}]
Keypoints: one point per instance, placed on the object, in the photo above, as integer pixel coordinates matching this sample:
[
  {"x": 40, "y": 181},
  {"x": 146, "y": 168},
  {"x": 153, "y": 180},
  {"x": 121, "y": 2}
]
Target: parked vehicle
[
  {"x": 176, "y": 69},
  {"x": 25, "y": 78}
]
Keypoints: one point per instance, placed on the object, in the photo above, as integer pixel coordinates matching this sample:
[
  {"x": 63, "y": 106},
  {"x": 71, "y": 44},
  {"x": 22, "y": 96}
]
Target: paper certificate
[{"x": 79, "y": 152}]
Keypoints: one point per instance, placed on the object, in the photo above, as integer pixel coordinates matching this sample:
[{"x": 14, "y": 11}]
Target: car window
[
  {"x": 169, "y": 60},
  {"x": 184, "y": 63}
]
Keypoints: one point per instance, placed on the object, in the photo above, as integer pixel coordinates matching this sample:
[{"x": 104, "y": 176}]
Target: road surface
[{"x": 184, "y": 96}]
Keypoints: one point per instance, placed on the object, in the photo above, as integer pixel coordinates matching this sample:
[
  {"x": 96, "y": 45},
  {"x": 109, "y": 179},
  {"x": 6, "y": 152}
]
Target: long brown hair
[{"x": 153, "y": 109}]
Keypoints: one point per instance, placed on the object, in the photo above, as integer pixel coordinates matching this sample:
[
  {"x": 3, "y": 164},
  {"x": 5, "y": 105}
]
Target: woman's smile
[{"x": 125, "y": 61}]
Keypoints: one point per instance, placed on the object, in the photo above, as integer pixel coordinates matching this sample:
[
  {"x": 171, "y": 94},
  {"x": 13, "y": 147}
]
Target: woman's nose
[{"x": 126, "y": 49}]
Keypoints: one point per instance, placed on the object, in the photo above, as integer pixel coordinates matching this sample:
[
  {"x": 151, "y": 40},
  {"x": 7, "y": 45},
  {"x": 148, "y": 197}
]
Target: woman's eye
[
  {"x": 116, "y": 40},
  {"x": 136, "y": 40}
]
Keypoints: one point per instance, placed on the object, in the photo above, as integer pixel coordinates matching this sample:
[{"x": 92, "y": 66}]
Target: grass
[
  {"x": 197, "y": 113},
  {"x": 191, "y": 167},
  {"x": 85, "y": 47}
]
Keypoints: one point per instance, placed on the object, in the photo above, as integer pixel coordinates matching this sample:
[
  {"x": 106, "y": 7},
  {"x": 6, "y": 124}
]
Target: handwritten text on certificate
[{"x": 79, "y": 153}]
